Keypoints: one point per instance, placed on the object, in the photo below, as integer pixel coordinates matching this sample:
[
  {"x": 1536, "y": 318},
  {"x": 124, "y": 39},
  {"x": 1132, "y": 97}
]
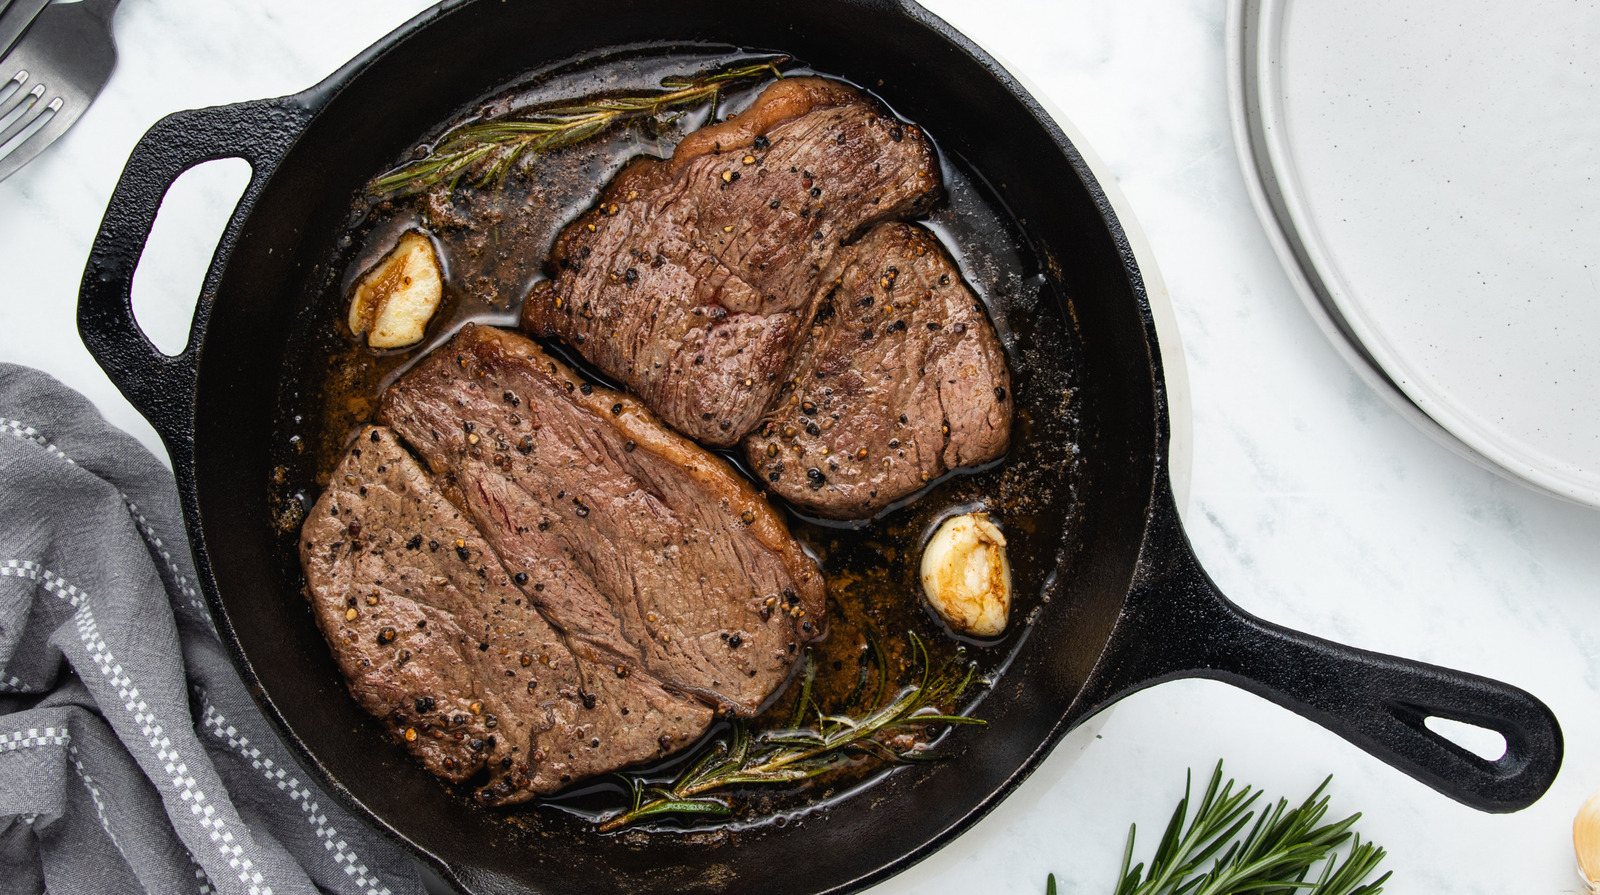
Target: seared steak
[
  {"x": 435, "y": 639},
  {"x": 692, "y": 277},
  {"x": 731, "y": 286},
  {"x": 899, "y": 380},
  {"x": 570, "y": 589},
  {"x": 627, "y": 537}
]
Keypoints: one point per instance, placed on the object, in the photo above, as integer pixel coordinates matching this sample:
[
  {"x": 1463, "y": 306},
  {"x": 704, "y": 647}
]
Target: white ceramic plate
[{"x": 1430, "y": 175}]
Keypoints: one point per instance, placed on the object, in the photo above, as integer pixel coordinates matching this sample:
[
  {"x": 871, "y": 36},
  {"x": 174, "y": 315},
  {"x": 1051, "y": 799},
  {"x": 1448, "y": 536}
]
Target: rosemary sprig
[
  {"x": 797, "y": 752},
  {"x": 485, "y": 151},
  {"x": 1275, "y": 856}
]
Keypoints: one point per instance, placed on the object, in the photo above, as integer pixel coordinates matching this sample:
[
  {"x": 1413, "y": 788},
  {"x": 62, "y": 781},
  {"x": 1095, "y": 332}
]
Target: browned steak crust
[
  {"x": 435, "y": 639},
  {"x": 900, "y": 380},
  {"x": 633, "y": 539},
  {"x": 692, "y": 277}
]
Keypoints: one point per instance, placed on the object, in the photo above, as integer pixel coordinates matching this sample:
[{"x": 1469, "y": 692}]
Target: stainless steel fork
[{"x": 50, "y": 77}]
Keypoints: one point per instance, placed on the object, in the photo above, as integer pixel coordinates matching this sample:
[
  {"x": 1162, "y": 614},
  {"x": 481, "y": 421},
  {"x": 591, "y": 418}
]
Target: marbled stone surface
[{"x": 1312, "y": 504}]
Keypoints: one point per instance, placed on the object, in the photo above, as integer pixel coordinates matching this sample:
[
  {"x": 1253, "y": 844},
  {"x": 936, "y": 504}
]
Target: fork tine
[
  {"x": 34, "y": 115},
  {"x": 12, "y": 94},
  {"x": 15, "y": 116},
  {"x": 12, "y": 85},
  {"x": 63, "y": 117}
]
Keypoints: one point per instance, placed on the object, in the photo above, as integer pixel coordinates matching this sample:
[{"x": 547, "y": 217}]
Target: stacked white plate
[{"x": 1429, "y": 174}]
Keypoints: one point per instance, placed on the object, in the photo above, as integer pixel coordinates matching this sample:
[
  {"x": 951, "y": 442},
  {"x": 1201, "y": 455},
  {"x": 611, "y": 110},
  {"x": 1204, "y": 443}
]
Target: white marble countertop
[{"x": 1312, "y": 504}]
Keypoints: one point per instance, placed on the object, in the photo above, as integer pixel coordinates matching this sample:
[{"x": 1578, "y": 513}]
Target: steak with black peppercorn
[
  {"x": 712, "y": 284},
  {"x": 435, "y": 640},
  {"x": 571, "y": 588},
  {"x": 900, "y": 380},
  {"x": 634, "y": 540},
  {"x": 692, "y": 277}
]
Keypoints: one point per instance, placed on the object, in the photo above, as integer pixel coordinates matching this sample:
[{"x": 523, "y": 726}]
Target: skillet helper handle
[
  {"x": 1177, "y": 624},
  {"x": 161, "y": 386}
]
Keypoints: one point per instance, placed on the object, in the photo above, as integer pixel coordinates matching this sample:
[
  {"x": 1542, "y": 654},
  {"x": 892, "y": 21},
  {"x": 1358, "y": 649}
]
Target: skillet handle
[
  {"x": 161, "y": 386},
  {"x": 1177, "y": 624}
]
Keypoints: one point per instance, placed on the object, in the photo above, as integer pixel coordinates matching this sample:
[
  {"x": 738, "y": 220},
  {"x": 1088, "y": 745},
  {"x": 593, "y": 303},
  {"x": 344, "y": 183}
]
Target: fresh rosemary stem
[
  {"x": 798, "y": 753},
  {"x": 1275, "y": 856},
  {"x": 486, "y": 151}
]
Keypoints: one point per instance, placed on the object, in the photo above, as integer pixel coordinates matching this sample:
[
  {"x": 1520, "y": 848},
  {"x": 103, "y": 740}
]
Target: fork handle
[
  {"x": 102, "y": 8},
  {"x": 161, "y": 386}
]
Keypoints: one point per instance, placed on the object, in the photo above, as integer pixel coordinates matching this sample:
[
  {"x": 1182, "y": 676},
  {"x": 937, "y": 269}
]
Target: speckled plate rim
[{"x": 1253, "y": 33}]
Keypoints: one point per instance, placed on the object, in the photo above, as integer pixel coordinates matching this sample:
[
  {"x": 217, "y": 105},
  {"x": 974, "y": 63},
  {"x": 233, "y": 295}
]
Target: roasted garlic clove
[
  {"x": 1586, "y": 842},
  {"x": 392, "y": 303},
  {"x": 965, "y": 575}
]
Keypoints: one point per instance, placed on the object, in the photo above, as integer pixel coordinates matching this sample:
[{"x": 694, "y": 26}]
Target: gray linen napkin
[{"x": 131, "y": 757}]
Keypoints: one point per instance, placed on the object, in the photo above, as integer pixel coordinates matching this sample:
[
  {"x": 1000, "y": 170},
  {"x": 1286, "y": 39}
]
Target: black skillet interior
[{"x": 214, "y": 404}]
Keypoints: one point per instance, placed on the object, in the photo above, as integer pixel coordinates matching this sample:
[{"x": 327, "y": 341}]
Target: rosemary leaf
[
  {"x": 1358, "y": 865},
  {"x": 484, "y": 153},
  {"x": 712, "y": 807},
  {"x": 1275, "y": 856},
  {"x": 740, "y": 758}
]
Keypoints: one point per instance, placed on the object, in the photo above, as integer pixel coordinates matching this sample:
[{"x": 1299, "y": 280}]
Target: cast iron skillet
[{"x": 1132, "y": 608}]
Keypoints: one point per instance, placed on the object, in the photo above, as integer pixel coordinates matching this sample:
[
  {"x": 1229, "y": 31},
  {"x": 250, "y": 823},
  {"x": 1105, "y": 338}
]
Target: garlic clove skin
[
  {"x": 392, "y": 302},
  {"x": 966, "y": 577},
  {"x": 1586, "y": 842}
]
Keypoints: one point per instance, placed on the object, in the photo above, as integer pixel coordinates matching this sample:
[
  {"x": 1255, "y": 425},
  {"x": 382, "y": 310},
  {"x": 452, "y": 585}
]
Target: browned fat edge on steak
[
  {"x": 692, "y": 277},
  {"x": 436, "y": 640},
  {"x": 900, "y": 380},
  {"x": 634, "y": 540}
]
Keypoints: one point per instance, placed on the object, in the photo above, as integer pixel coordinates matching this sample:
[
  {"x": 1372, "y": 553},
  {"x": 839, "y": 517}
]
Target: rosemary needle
[
  {"x": 741, "y": 757},
  {"x": 1276, "y": 854},
  {"x": 484, "y": 152}
]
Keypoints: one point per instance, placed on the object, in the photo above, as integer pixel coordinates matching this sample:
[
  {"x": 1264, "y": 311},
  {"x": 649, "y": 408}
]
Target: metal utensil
[
  {"x": 51, "y": 75},
  {"x": 15, "y": 17}
]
